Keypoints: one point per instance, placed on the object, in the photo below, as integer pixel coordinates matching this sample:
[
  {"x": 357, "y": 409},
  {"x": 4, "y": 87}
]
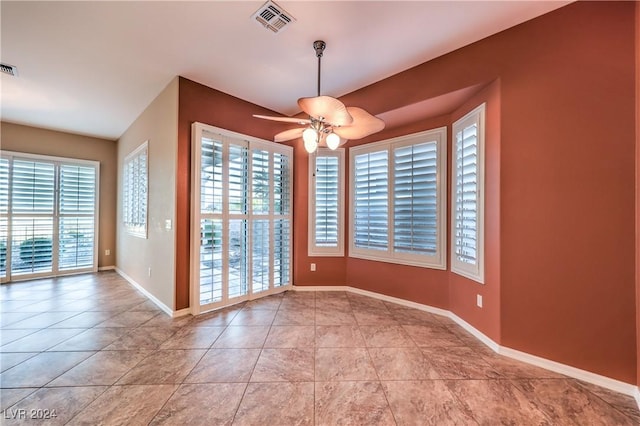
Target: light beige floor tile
[
  {"x": 201, "y": 404},
  {"x": 279, "y": 404},
  {"x": 284, "y": 364},
  {"x": 103, "y": 368},
  {"x": 163, "y": 367},
  {"x": 351, "y": 403},
  {"x": 125, "y": 405}
]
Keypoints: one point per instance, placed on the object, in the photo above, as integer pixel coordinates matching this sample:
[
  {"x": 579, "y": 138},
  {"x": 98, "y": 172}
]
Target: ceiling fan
[{"x": 330, "y": 122}]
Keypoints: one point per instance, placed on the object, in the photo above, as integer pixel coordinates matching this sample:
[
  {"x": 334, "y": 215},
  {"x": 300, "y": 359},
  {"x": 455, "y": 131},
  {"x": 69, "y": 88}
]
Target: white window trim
[
  {"x": 439, "y": 261},
  {"x": 133, "y": 229},
  {"x": 473, "y": 272},
  {"x": 313, "y": 249}
]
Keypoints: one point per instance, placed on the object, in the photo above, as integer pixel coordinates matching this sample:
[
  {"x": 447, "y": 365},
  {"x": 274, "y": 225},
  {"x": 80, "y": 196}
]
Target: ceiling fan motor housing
[{"x": 319, "y": 45}]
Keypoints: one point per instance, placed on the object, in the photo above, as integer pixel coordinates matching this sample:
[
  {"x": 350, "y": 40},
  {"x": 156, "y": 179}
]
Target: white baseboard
[
  {"x": 106, "y": 268},
  {"x": 150, "y": 296},
  {"x": 320, "y": 288},
  {"x": 475, "y": 332},
  {"x": 567, "y": 370}
]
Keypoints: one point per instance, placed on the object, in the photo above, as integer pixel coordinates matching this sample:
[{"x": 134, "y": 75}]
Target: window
[
  {"x": 467, "y": 196},
  {"x": 326, "y": 209},
  {"x": 48, "y": 208},
  {"x": 242, "y": 217},
  {"x": 397, "y": 200},
  {"x": 135, "y": 195}
]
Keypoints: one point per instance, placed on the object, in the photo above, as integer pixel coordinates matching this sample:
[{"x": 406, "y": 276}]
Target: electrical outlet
[
  {"x": 313, "y": 267},
  {"x": 107, "y": 252},
  {"x": 479, "y": 300}
]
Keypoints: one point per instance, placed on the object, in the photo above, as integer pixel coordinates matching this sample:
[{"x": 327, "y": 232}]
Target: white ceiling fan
[{"x": 330, "y": 122}]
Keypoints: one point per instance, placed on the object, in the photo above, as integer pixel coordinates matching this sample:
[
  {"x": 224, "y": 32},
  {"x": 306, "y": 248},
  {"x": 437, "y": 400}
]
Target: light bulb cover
[
  {"x": 333, "y": 140},
  {"x": 310, "y": 137}
]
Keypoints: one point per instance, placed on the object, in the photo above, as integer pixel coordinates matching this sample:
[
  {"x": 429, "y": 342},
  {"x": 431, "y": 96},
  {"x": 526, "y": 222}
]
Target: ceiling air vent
[
  {"x": 273, "y": 17},
  {"x": 9, "y": 69}
]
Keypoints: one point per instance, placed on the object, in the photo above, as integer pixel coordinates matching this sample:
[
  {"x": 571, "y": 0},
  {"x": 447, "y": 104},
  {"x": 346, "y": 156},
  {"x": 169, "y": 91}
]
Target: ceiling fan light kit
[{"x": 330, "y": 122}]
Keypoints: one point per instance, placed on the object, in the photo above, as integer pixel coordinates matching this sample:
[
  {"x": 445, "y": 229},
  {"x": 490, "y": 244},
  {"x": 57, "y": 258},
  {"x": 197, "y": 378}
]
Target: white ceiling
[{"x": 92, "y": 67}]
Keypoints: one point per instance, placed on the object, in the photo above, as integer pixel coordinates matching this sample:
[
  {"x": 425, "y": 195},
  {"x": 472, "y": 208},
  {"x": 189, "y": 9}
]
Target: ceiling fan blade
[
  {"x": 329, "y": 109},
  {"x": 284, "y": 119},
  {"x": 287, "y": 135},
  {"x": 364, "y": 124}
]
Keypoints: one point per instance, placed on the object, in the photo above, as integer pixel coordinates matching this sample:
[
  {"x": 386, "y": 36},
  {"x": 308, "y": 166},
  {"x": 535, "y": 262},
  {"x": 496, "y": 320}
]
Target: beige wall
[
  {"x": 14, "y": 137},
  {"x": 158, "y": 125}
]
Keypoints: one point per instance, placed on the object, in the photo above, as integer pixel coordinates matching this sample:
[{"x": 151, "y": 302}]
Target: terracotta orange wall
[
  {"x": 463, "y": 291},
  {"x": 206, "y": 105},
  {"x": 566, "y": 182}
]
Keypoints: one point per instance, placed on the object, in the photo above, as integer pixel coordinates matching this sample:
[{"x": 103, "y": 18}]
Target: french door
[
  {"x": 48, "y": 216},
  {"x": 241, "y": 218}
]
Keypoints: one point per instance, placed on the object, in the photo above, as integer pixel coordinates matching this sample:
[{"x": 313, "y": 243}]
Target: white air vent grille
[
  {"x": 9, "y": 69},
  {"x": 273, "y": 17}
]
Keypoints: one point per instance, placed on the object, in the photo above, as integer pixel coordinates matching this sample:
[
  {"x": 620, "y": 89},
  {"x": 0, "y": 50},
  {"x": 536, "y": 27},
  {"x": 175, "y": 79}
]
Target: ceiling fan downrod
[{"x": 319, "y": 46}]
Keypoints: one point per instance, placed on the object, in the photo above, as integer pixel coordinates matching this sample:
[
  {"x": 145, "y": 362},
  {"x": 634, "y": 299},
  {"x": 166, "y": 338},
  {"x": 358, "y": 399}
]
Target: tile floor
[{"x": 92, "y": 350}]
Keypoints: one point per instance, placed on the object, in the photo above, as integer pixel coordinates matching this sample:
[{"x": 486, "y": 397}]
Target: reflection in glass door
[{"x": 242, "y": 216}]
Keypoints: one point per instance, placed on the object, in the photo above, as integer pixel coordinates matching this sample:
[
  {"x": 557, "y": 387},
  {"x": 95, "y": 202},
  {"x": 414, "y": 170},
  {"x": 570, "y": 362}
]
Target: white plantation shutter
[
  {"x": 466, "y": 197},
  {"x": 77, "y": 201},
  {"x": 398, "y": 200},
  {"x": 415, "y": 198},
  {"x": 48, "y": 214},
  {"x": 282, "y": 252},
  {"x": 243, "y": 187},
  {"x": 32, "y": 212},
  {"x": 326, "y": 196},
  {"x": 135, "y": 191},
  {"x": 281, "y": 184},
  {"x": 326, "y": 210},
  {"x": 260, "y": 181},
  {"x": 238, "y": 179},
  {"x": 4, "y": 213},
  {"x": 211, "y": 176},
  {"x": 372, "y": 200},
  {"x": 33, "y": 189},
  {"x": 281, "y": 219}
]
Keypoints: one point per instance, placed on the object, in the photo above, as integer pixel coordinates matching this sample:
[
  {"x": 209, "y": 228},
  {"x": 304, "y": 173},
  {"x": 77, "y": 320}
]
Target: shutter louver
[
  {"x": 76, "y": 223},
  {"x": 238, "y": 179},
  {"x": 282, "y": 186},
  {"x": 32, "y": 208},
  {"x": 135, "y": 191},
  {"x": 326, "y": 201},
  {"x": 211, "y": 177},
  {"x": 33, "y": 189},
  {"x": 371, "y": 200},
  {"x": 282, "y": 255},
  {"x": 210, "y": 260},
  {"x": 466, "y": 193},
  {"x": 260, "y": 256},
  {"x": 260, "y": 181},
  {"x": 4, "y": 212},
  {"x": 415, "y": 199}
]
